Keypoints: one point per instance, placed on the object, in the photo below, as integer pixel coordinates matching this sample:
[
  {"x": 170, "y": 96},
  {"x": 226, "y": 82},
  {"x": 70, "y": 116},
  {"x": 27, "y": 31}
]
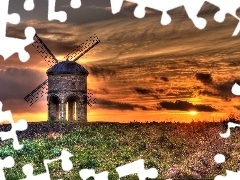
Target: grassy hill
[{"x": 176, "y": 150}]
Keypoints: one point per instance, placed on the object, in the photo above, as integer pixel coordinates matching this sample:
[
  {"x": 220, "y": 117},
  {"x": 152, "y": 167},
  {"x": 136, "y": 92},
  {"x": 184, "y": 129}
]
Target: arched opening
[
  {"x": 54, "y": 108},
  {"x": 71, "y": 112}
]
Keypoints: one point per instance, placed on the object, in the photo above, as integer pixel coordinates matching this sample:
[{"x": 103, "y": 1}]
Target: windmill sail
[
  {"x": 83, "y": 48},
  {"x": 37, "y": 93},
  {"x": 51, "y": 60},
  {"x": 90, "y": 99},
  {"x": 44, "y": 51}
]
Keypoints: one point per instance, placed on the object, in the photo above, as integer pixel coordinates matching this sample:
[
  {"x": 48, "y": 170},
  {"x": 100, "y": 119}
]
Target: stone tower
[{"x": 67, "y": 91}]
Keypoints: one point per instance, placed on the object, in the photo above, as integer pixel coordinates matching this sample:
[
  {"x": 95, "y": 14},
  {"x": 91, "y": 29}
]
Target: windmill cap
[{"x": 67, "y": 67}]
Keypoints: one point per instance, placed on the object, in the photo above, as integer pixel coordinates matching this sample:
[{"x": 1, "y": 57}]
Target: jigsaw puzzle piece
[
  {"x": 139, "y": 12},
  {"x": 227, "y": 133},
  {"x": 28, "y": 171},
  {"x": 21, "y": 125},
  {"x": 236, "y": 89},
  {"x": 65, "y": 161},
  {"x": 230, "y": 175},
  {"x": 116, "y": 5},
  {"x": 192, "y": 10},
  {"x": 12, "y": 45},
  {"x": 61, "y": 15},
  {"x": 7, "y": 162},
  {"x": 160, "y": 6},
  {"x": 164, "y": 7},
  {"x": 5, "y": 17},
  {"x": 53, "y": 15},
  {"x": 227, "y": 7},
  {"x": 9, "y": 46},
  {"x": 137, "y": 167},
  {"x": 87, "y": 173}
]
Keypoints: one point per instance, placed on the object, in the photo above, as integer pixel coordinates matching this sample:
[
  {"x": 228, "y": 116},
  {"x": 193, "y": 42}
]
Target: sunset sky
[{"x": 140, "y": 70}]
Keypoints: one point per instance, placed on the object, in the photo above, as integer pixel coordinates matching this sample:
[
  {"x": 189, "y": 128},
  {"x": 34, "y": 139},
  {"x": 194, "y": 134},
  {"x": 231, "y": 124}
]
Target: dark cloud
[
  {"x": 224, "y": 89},
  {"x": 144, "y": 91},
  {"x": 101, "y": 91},
  {"x": 149, "y": 92},
  {"x": 220, "y": 90},
  {"x": 91, "y": 10},
  {"x": 160, "y": 90},
  {"x": 165, "y": 79},
  {"x": 184, "y": 93},
  {"x": 185, "y": 106},
  {"x": 101, "y": 72},
  {"x": 237, "y": 107},
  {"x": 205, "y": 78},
  {"x": 106, "y": 104},
  {"x": 207, "y": 93},
  {"x": 15, "y": 85}
]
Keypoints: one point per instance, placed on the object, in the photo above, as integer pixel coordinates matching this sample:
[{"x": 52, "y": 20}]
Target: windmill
[{"x": 66, "y": 85}]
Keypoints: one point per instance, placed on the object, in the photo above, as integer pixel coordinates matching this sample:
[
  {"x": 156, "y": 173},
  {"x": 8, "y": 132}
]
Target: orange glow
[
  {"x": 95, "y": 115},
  {"x": 193, "y": 112}
]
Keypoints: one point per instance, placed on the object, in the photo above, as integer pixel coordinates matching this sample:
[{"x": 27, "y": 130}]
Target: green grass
[{"x": 176, "y": 150}]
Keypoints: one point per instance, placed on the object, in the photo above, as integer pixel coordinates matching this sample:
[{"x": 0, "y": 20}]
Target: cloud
[
  {"x": 186, "y": 106},
  {"x": 205, "y": 78},
  {"x": 16, "y": 83},
  {"x": 106, "y": 104},
  {"x": 101, "y": 72},
  {"x": 237, "y": 107},
  {"x": 208, "y": 93},
  {"x": 220, "y": 90},
  {"x": 101, "y": 91},
  {"x": 149, "y": 92},
  {"x": 12, "y": 86},
  {"x": 144, "y": 91},
  {"x": 224, "y": 89},
  {"x": 165, "y": 79},
  {"x": 133, "y": 49}
]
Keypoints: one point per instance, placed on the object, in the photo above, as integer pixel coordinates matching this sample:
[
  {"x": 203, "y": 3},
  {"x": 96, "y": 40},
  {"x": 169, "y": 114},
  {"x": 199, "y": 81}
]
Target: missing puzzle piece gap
[
  {"x": 29, "y": 5},
  {"x": 7, "y": 162},
  {"x": 76, "y": 4},
  {"x": 20, "y": 125},
  {"x": 192, "y": 9}
]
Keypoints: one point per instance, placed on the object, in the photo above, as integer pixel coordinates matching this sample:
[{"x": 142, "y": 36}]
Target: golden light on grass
[{"x": 193, "y": 112}]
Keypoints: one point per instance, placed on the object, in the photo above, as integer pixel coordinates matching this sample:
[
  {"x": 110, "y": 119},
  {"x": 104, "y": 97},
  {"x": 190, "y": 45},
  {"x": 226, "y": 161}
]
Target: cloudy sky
[{"x": 141, "y": 70}]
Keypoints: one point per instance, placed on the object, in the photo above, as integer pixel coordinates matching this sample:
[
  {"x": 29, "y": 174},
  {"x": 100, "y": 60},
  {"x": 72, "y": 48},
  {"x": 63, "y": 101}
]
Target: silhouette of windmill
[{"x": 66, "y": 85}]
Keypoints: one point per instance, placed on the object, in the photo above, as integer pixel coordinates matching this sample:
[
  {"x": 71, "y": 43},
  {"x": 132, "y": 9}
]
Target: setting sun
[{"x": 192, "y": 112}]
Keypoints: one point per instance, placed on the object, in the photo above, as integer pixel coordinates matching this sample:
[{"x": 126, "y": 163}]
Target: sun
[{"x": 193, "y": 112}]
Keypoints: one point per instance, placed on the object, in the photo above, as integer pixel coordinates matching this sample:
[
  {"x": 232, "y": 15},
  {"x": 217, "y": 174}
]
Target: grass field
[{"x": 176, "y": 150}]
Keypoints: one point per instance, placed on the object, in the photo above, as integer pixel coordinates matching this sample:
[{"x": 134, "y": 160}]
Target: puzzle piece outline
[
  {"x": 7, "y": 162},
  {"x": 12, "y": 45},
  {"x": 191, "y": 9},
  {"x": 20, "y": 125},
  {"x": 66, "y": 163}
]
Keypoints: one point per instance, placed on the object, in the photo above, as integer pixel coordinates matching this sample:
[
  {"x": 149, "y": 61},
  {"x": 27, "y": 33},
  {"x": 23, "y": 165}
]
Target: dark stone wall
[{"x": 66, "y": 86}]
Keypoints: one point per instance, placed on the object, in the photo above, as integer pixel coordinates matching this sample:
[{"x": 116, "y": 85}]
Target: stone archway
[
  {"x": 53, "y": 108},
  {"x": 72, "y": 106}
]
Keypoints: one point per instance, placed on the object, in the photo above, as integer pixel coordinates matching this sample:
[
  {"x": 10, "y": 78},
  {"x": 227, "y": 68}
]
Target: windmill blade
[
  {"x": 90, "y": 99},
  {"x": 44, "y": 51},
  {"x": 83, "y": 48},
  {"x": 37, "y": 93}
]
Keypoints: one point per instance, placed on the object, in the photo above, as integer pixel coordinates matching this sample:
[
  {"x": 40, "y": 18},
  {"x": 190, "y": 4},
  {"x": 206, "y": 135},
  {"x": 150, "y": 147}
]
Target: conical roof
[{"x": 67, "y": 67}]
